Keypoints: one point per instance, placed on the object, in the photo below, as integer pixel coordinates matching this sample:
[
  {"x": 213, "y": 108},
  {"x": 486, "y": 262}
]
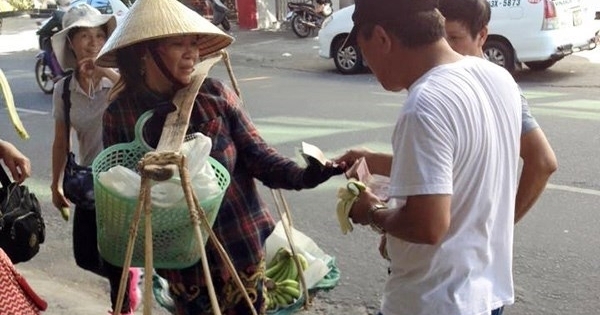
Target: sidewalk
[{"x": 269, "y": 48}]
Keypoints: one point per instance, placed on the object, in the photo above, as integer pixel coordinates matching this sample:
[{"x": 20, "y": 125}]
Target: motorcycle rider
[{"x": 51, "y": 27}]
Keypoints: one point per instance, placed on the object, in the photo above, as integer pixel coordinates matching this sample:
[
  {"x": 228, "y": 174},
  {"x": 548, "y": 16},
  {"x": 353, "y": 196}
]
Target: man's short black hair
[
  {"x": 474, "y": 14},
  {"x": 413, "y": 22}
]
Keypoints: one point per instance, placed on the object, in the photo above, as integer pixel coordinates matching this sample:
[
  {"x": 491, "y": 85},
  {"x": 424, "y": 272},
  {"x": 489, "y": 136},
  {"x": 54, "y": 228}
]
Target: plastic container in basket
[{"x": 175, "y": 244}]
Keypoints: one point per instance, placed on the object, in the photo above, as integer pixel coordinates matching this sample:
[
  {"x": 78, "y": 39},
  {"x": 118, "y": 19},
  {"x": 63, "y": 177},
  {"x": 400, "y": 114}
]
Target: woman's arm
[{"x": 59, "y": 160}]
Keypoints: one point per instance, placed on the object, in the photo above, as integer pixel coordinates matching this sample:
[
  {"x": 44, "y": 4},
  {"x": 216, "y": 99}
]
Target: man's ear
[
  {"x": 382, "y": 38},
  {"x": 483, "y": 34}
]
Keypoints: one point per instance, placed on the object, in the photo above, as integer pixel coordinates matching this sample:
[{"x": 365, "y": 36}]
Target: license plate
[
  {"x": 577, "y": 18},
  {"x": 289, "y": 15}
]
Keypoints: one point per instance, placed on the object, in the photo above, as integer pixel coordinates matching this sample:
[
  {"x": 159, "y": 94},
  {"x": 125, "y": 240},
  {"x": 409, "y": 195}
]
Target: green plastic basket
[{"x": 175, "y": 244}]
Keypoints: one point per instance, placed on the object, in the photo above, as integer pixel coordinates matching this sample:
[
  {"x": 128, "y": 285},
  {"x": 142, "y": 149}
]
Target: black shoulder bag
[
  {"x": 22, "y": 227},
  {"x": 78, "y": 183}
]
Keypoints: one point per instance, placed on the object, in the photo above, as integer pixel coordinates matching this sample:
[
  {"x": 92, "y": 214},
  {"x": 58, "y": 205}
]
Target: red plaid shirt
[{"x": 243, "y": 222}]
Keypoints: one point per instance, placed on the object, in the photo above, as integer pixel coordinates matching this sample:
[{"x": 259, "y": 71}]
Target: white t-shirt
[{"x": 457, "y": 134}]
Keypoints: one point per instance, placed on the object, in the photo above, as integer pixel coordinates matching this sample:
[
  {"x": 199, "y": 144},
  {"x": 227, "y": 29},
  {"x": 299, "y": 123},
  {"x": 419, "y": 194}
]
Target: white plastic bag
[
  {"x": 317, "y": 259},
  {"x": 169, "y": 193}
]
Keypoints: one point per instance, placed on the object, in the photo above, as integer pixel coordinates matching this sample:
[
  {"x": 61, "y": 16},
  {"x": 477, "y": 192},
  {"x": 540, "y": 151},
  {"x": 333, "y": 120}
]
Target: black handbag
[
  {"x": 22, "y": 227},
  {"x": 78, "y": 183}
]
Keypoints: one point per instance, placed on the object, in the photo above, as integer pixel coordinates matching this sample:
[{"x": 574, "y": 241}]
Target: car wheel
[
  {"x": 500, "y": 53},
  {"x": 541, "y": 65},
  {"x": 349, "y": 59}
]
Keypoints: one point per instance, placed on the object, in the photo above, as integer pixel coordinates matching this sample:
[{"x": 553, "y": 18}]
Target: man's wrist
[{"x": 371, "y": 217}]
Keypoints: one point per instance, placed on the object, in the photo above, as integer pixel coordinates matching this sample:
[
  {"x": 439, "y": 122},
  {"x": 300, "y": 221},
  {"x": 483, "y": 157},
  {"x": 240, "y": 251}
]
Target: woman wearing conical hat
[{"x": 155, "y": 48}]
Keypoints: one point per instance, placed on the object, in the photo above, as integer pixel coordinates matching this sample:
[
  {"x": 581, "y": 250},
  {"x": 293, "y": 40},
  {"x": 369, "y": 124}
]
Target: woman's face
[
  {"x": 86, "y": 42},
  {"x": 179, "y": 55}
]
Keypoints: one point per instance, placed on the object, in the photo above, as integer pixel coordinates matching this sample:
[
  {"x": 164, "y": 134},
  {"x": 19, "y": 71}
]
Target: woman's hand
[
  {"x": 316, "y": 173},
  {"x": 58, "y": 198},
  {"x": 18, "y": 164},
  {"x": 86, "y": 68}
]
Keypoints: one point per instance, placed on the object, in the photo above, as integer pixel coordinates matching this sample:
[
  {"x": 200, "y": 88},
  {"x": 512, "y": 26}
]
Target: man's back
[{"x": 458, "y": 135}]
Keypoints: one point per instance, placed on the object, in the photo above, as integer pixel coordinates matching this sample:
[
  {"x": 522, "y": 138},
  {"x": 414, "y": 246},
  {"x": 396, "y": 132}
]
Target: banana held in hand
[
  {"x": 346, "y": 198},
  {"x": 65, "y": 212},
  {"x": 10, "y": 105}
]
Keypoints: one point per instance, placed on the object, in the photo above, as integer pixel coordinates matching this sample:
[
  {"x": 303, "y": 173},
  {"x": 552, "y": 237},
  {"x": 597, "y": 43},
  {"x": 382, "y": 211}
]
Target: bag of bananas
[{"x": 283, "y": 283}]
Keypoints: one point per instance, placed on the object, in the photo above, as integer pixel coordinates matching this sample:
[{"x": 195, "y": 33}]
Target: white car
[{"x": 537, "y": 33}]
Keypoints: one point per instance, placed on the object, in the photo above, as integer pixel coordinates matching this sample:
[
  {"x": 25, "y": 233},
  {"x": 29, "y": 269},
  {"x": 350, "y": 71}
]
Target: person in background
[
  {"x": 84, "y": 32},
  {"x": 51, "y": 27},
  {"x": 16, "y": 162},
  {"x": 453, "y": 171},
  {"x": 466, "y": 31},
  {"x": 157, "y": 60}
]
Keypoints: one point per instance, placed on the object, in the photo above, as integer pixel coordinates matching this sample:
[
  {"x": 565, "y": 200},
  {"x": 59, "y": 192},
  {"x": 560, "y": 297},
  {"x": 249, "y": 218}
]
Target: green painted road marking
[
  {"x": 573, "y": 114},
  {"x": 530, "y": 95},
  {"x": 282, "y": 129},
  {"x": 576, "y": 104}
]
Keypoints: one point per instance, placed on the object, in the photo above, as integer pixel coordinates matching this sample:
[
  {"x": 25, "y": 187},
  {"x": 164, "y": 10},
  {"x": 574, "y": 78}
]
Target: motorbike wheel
[
  {"x": 226, "y": 25},
  {"x": 43, "y": 76},
  {"x": 300, "y": 29}
]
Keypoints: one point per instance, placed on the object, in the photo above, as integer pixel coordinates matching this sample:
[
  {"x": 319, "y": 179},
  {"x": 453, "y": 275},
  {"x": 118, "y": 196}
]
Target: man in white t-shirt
[
  {"x": 466, "y": 31},
  {"x": 453, "y": 175}
]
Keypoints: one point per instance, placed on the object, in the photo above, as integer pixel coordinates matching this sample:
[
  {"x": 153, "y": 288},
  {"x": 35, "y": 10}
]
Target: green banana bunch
[
  {"x": 282, "y": 293},
  {"x": 283, "y": 266}
]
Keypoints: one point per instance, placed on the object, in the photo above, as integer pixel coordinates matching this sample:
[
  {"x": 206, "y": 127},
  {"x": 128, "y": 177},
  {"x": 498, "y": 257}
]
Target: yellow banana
[
  {"x": 346, "y": 197},
  {"x": 10, "y": 105},
  {"x": 303, "y": 261},
  {"x": 65, "y": 212}
]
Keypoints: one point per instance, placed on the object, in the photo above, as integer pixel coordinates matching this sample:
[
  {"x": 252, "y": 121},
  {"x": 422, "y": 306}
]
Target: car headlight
[{"x": 326, "y": 21}]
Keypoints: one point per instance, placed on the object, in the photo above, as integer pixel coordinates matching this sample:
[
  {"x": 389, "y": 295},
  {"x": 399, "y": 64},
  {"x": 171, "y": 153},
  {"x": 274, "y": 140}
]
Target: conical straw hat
[{"x": 153, "y": 19}]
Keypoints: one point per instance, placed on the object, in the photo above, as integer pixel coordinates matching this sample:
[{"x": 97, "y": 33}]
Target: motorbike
[
  {"x": 220, "y": 11},
  {"x": 47, "y": 70},
  {"x": 306, "y": 17}
]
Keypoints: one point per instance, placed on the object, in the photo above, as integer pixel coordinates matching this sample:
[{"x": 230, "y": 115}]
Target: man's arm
[
  {"x": 539, "y": 162},
  {"x": 424, "y": 219}
]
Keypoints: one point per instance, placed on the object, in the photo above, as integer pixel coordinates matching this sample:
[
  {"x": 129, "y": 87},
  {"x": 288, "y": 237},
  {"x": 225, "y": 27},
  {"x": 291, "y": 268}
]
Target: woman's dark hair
[
  {"x": 131, "y": 69},
  {"x": 473, "y": 14}
]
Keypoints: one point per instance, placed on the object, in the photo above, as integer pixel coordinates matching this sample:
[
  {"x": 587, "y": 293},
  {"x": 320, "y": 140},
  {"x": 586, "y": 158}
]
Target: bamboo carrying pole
[{"x": 160, "y": 165}]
